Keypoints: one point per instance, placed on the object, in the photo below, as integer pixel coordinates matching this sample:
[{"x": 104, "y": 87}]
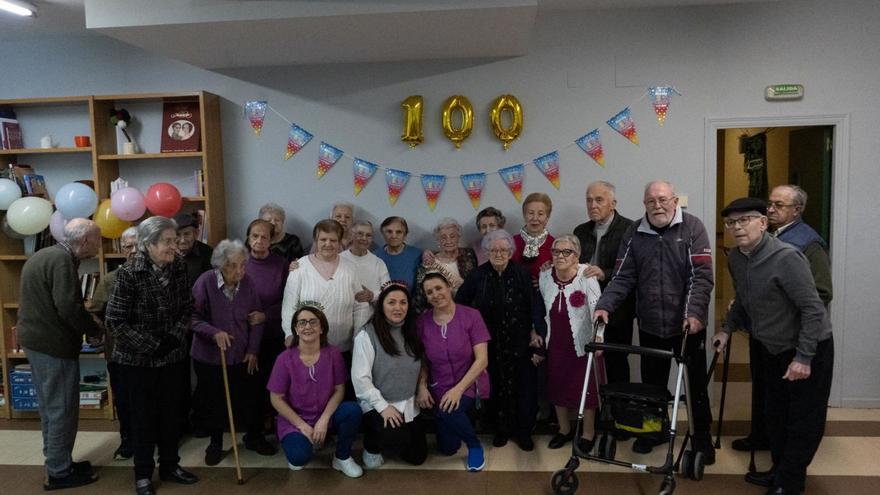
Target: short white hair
[
  {"x": 446, "y": 223},
  {"x": 129, "y": 232},
  {"x": 606, "y": 185},
  {"x": 272, "y": 208},
  {"x": 568, "y": 238},
  {"x": 658, "y": 182},
  {"x": 343, "y": 204},
  {"x": 225, "y": 250},
  {"x": 78, "y": 229},
  {"x": 498, "y": 235}
]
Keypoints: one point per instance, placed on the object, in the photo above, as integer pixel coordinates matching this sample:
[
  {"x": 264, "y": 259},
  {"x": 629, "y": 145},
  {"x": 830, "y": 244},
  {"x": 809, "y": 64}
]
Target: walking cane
[
  {"x": 238, "y": 477},
  {"x": 724, "y": 376}
]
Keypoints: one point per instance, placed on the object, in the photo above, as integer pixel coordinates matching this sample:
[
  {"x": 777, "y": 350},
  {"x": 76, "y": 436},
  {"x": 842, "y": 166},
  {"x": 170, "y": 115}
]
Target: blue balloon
[{"x": 75, "y": 200}]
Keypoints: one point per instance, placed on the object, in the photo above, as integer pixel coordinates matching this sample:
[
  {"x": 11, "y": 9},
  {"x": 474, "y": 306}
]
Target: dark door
[{"x": 810, "y": 168}]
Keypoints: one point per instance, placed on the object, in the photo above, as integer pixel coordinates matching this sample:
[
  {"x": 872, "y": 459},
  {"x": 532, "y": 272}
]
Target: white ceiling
[{"x": 241, "y": 33}]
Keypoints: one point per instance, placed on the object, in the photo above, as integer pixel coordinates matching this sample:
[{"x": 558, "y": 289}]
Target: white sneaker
[
  {"x": 294, "y": 468},
  {"x": 348, "y": 467},
  {"x": 373, "y": 461}
]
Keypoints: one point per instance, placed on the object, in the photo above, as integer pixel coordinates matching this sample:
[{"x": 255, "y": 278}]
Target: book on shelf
[
  {"x": 18, "y": 171},
  {"x": 12, "y": 139},
  {"x": 202, "y": 231},
  {"x": 181, "y": 127},
  {"x": 199, "y": 179},
  {"x": 35, "y": 185},
  {"x": 88, "y": 282}
]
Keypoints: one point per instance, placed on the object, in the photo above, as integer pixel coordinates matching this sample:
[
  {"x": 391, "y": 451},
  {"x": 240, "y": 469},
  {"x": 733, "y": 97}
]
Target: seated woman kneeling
[
  {"x": 306, "y": 388},
  {"x": 385, "y": 372}
]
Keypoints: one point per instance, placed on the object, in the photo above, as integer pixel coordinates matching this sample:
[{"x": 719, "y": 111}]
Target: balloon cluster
[
  {"x": 30, "y": 215},
  {"x": 121, "y": 118}
]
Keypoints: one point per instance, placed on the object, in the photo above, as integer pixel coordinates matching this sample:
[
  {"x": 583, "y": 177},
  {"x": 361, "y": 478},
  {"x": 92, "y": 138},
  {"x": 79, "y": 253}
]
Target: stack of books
[
  {"x": 10, "y": 131},
  {"x": 92, "y": 396},
  {"x": 89, "y": 282},
  {"x": 24, "y": 394},
  {"x": 199, "y": 178}
]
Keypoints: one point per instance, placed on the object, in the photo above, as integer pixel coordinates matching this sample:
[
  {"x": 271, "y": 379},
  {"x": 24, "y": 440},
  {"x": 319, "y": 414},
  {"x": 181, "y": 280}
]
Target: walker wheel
[
  {"x": 564, "y": 482},
  {"x": 699, "y": 467},
  {"x": 686, "y": 467},
  {"x": 667, "y": 487}
]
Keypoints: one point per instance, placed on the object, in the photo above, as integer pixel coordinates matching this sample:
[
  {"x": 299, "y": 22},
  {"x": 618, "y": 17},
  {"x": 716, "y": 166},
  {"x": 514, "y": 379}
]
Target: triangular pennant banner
[
  {"x": 513, "y": 177},
  {"x": 297, "y": 138},
  {"x": 327, "y": 157},
  {"x": 549, "y": 166},
  {"x": 433, "y": 186},
  {"x": 363, "y": 172},
  {"x": 624, "y": 124},
  {"x": 591, "y": 143},
  {"x": 473, "y": 185},
  {"x": 660, "y": 98},
  {"x": 396, "y": 181},
  {"x": 256, "y": 113}
]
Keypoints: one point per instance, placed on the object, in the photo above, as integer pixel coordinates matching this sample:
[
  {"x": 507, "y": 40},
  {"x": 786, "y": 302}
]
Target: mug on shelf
[{"x": 82, "y": 141}]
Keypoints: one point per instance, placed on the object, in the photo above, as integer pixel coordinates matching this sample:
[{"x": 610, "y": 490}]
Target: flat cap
[
  {"x": 185, "y": 220},
  {"x": 745, "y": 204}
]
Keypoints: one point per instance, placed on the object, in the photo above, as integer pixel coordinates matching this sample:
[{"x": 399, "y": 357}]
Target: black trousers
[
  {"x": 155, "y": 396},
  {"x": 618, "y": 331},
  {"x": 270, "y": 349},
  {"x": 245, "y": 395},
  {"x": 656, "y": 372},
  {"x": 795, "y": 412},
  {"x": 120, "y": 402},
  {"x": 408, "y": 441},
  {"x": 758, "y": 431},
  {"x": 513, "y": 403}
]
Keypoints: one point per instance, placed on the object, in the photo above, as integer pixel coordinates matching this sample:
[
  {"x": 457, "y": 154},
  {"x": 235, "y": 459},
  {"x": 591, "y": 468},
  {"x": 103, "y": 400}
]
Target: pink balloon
[
  {"x": 128, "y": 204},
  {"x": 163, "y": 199},
  {"x": 56, "y": 225}
]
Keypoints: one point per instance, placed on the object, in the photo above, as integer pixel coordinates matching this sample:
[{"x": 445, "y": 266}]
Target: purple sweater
[
  {"x": 213, "y": 312},
  {"x": 268, "y": 277}
]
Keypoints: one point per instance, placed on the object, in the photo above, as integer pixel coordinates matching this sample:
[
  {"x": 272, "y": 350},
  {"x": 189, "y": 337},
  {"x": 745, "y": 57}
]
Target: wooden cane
[{"x": 238, "y": 477}]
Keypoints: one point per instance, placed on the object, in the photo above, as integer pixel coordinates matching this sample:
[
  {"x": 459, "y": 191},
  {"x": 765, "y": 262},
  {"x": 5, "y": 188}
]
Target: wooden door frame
[{"x": 839, "y": 195}]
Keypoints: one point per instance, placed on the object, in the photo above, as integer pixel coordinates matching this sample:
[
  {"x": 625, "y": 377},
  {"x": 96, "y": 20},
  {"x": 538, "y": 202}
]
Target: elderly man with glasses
[
  {"x": 666, "y": 259},
  {"x": 776, "y": 299}
]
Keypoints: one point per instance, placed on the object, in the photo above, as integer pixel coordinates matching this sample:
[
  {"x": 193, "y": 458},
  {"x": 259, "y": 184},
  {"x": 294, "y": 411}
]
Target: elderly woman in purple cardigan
[{"x": 227, "y": 315}]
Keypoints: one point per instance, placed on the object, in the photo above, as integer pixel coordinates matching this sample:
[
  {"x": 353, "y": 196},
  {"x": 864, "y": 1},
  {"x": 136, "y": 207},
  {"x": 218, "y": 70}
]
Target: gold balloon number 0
[
  {"x": 458, "y": 110},
  {"x": 510, "y": 105}
]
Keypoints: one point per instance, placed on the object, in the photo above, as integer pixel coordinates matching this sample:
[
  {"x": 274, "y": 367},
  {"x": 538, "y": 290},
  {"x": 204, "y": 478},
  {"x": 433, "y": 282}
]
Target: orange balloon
[{"x": 111, "y": 226}]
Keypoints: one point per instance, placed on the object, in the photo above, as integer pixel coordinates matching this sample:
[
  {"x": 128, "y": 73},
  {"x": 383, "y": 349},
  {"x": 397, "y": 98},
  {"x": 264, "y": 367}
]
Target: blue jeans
[
  {"x": 345, "y": 422},
  {"x": 57, "y": 383},
  {"x": 455, "y": 427}
]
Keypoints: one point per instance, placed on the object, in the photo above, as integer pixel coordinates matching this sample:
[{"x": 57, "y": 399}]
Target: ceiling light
[{"x": 26, "y": 9}]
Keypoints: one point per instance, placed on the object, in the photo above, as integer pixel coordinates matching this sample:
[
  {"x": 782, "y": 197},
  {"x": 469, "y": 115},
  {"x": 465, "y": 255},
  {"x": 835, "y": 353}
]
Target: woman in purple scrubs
[{"x": 455, "y": 379}]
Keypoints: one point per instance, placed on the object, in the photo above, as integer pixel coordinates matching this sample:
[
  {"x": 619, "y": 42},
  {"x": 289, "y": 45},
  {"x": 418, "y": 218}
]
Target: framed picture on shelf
[{"x": 180, "y": 127}]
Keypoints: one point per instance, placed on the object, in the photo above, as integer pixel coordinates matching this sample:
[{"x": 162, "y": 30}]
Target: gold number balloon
[
  {"x": 510, "y": 104},
  {"x": 466, "y": 110},
  {"x": 412, "y": 125}
]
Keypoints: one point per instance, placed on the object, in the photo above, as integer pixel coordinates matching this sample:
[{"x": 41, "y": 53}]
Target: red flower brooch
[{"x": 577, "y": 299}]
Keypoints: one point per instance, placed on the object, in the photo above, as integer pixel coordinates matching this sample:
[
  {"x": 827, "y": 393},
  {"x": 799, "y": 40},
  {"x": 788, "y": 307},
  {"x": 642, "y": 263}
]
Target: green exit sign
[{"x": 784, "y": 92}]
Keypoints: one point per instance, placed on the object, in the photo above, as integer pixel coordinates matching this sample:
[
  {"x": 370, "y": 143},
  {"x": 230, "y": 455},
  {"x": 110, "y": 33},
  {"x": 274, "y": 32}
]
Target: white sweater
[
  {"x": 370, "y": 269},
  {"x": 337, "y": 295},
  {"x": 580, "y": 318}
]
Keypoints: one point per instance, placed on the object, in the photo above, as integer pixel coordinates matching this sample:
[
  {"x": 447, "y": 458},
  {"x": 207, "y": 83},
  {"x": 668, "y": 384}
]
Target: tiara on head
[
  {"x": 309, "y": 304},
  {"x": 394, "y": 283}
]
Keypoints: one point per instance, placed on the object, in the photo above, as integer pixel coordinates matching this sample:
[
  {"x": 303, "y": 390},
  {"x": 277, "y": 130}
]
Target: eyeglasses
[
  {"x": 659, "y": 201},
  {"x": 741, "y": 221},
  {"x": 565, "y": 253},
  {"x": 779, "y": 204},
  {"x": 314, "y": 322},
  {"x": 499, "y": 252}
]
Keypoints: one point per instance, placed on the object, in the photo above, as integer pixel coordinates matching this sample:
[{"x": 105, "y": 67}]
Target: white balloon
[
  {"x": 9, "y": 192},
  {"x": 29, "y": 215}
]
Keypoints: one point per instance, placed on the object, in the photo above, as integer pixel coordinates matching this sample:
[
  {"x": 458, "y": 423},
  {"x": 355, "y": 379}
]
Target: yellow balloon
[
  {"x": 511, "y": 104},
  {"x": 412, "y": 126},
  {"x": 111, "y": 226},
  {"x": 463, "y": 106}
]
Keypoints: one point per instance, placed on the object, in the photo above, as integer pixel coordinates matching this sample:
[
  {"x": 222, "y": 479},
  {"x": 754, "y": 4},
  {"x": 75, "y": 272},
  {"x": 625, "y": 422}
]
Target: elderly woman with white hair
[
  {"x": 284, "y": 244},
  {"x": 224, "y": 299},
  {"x": 452, "y": 261},
  {"x": 149, "y": 314},
  {"x": 502, "y": 291},
  {"x": 570, "y": 298}
]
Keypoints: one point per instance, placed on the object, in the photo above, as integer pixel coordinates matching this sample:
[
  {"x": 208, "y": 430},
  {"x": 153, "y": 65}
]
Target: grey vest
[{"x": 396, "y": 377}]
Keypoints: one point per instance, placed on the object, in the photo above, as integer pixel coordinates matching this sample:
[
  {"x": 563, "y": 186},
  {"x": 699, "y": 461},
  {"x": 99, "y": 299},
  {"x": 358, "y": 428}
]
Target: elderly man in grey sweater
[
  {"x": 776, "y": 295},
  {"x": 51, "y": 323}
]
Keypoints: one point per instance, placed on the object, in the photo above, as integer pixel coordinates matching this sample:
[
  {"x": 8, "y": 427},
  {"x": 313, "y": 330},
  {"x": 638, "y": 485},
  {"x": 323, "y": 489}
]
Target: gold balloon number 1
[{"x": 458, "y": 110}]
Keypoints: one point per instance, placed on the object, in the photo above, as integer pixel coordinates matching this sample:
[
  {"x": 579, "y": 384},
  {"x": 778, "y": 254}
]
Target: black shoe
[
  {"x": 178, "y": 475},
  {"x": 499, "y": 440},
  {"x": 125, "y": 451},
  {"x": 643, "y": 445},
  {"x": 584, "y": 445},
  {"x": 761, "y": 478},
  {"x": 144, "y": 487},
  {"x": 260, "y": 445},
  {"x": 72, "y": 479},
  {"x": 213, "y": 454},
  {"x": 525, "y": 442},
  {"x": 560, "y": 439},
  {"x": 82, "y": 467},
  {"x": 748, "y": 443}
]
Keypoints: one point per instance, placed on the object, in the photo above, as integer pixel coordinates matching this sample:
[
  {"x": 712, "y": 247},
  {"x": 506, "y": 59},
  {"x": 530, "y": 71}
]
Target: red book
[
  {"x": 12, "y": 136},
  {"x": 181, "y": 129}
]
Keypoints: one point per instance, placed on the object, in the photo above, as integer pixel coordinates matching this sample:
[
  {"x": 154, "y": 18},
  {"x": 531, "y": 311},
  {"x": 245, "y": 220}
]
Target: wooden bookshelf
[{"x": 105, "y": 161}]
